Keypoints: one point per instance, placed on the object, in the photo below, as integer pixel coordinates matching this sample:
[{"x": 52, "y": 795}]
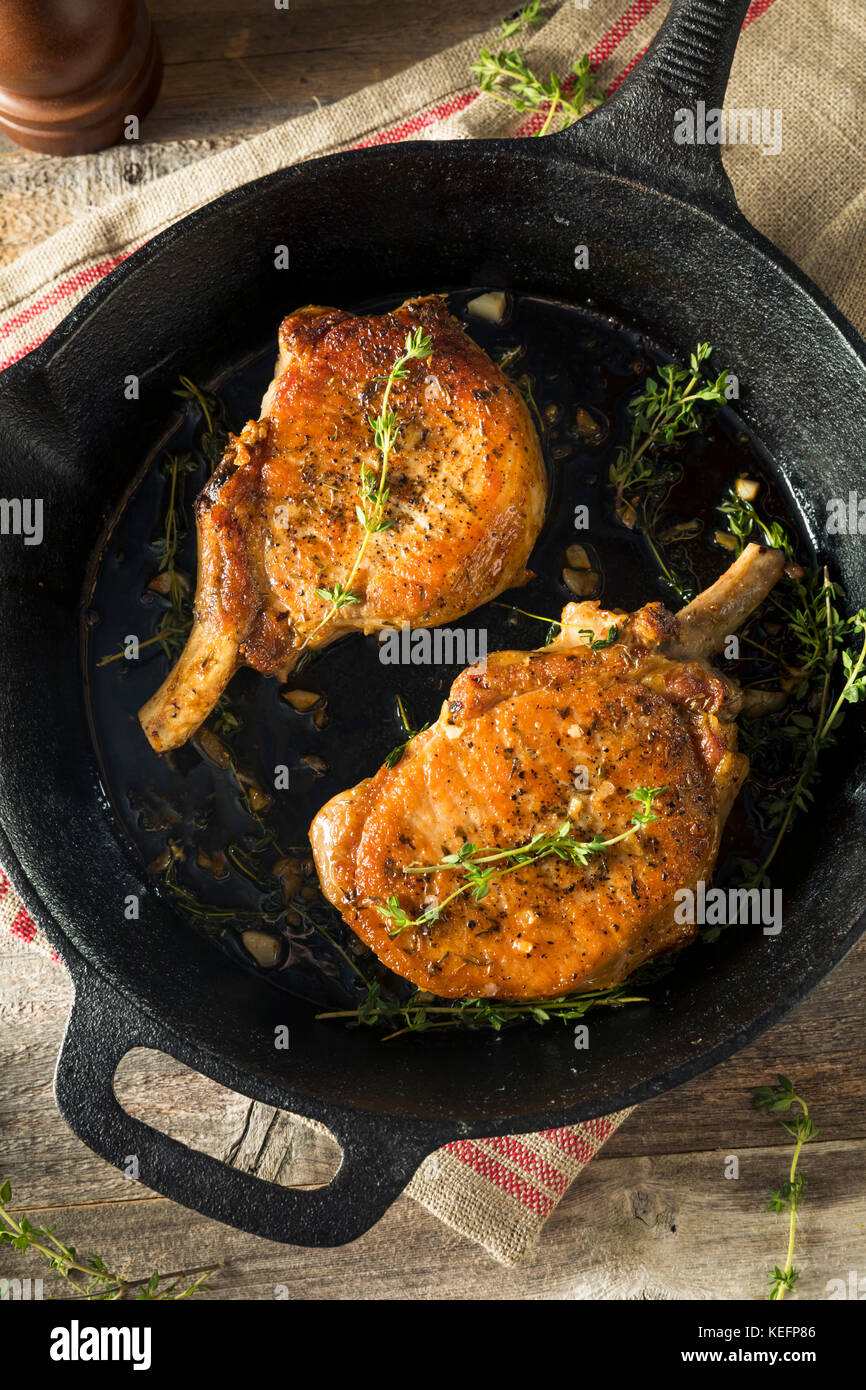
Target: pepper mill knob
[{"x": 72, "y": 71}]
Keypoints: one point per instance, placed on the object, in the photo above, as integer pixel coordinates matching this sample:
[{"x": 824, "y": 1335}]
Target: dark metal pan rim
[{"x": 728, "y": 222}]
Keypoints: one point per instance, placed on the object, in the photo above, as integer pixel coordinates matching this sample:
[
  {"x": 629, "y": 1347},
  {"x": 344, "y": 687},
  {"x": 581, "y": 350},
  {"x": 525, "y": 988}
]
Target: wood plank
[
  {"x": 819, "y": 1045},
  {"x": 328, "y": 34},
  {"x": 630, "y": 1228}
]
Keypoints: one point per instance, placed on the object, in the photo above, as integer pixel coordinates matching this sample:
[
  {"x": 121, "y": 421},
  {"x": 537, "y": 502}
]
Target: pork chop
[
  {"x": 533, "y": 741},
  {"x": 278, "y": 523}
]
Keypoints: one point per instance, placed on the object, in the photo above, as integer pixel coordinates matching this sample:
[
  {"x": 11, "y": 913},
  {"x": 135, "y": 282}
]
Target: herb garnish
[
  {"x": 396, "y": 754},
  {"x": 88, "y": 1274},
  {"x": 176, "y": 620},
  {"x": 482, "y": 867},
  {"x": 595, "y": 644},
  {"x": 806, "y": 601},
  {"x": 372, "y": 487},
  {"x": 598, "y": 644},
  {"x": 771, "y": 1100},
  {"x": 675, "y": 403},
  {"x": 424, "y": 1011},
  {"x": 215, "y": 436},
  {"x": 506, "y": 77}
]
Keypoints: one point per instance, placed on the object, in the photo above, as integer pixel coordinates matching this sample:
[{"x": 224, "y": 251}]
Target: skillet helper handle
[
  {"x": 103, "y": 1026},
  {"x": 634, "y": 133}
]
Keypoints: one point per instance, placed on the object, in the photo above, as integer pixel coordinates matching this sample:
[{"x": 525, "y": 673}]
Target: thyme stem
[{"x": 373, "y": 490}]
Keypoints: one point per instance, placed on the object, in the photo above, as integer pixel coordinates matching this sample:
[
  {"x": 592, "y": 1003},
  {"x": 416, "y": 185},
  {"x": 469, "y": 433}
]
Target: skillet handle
[
  {"x": 103, "y": 1026},
  {"x": 633, "y": 133}
]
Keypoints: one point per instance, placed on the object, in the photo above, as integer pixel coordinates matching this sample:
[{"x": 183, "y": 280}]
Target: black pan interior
[{"x": 195, "y": 300}]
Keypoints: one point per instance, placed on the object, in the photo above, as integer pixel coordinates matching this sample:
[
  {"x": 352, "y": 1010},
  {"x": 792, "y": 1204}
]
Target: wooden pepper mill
[{"x": 72, "y": 71}]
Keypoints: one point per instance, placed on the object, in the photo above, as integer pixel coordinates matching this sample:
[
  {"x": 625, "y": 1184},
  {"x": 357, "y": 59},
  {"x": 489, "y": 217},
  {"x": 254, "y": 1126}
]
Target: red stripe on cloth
[
  {"x": 423, "y": 121},
  {"x": 606, "y": 45},
  {"x": 511, "y": 1183},
  {"x": 23, "y": 926},
  {"x": 619, "y": 30},
  {"x": 4, "y": 884},
  {"x": 22, "y": 352},
  {"x": 756, "y": 9},
  {"x": 88, "y": 276},
  {"x": 531, "y": 1163},
  {"x": 576, "y": 1143}
]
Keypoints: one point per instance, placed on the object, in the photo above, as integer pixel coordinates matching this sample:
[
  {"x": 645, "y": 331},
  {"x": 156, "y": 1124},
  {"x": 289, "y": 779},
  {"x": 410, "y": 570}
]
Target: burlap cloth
[{"x": 806, "y": 58}]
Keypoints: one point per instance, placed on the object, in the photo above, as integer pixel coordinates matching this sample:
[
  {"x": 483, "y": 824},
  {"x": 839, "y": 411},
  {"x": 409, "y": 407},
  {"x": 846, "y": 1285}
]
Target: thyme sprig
[
  {"x": 820, "y": 731},
  {"x": 373, "y": 484},
  {"x": 424, "y": 1011},
  {"x": 595, "y": 644},
  {"x": 481, "y": 867},
  {"x": 822, "y": 638},
  {"x": 773, "y": 1100},
  {"x": 675, "y": 403},
  {"x": 396, "y": 754},
  {"x": 176, "y": 620},
  {"x": 89, "y": 1274},
  {"x": 215, "y": 435},
  {"x": 505, "y": 76},
  {"x": 524, "y": 19}
]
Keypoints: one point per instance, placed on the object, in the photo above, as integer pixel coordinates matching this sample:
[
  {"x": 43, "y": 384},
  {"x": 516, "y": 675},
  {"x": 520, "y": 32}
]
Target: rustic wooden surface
[{"x": 653, "y": 1217}]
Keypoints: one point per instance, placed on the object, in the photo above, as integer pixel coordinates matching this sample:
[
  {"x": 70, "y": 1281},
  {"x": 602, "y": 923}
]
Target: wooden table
[{"x": 654, "y": 1217}]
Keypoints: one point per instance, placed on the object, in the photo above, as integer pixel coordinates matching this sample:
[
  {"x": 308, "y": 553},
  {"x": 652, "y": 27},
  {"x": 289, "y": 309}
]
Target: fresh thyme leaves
[
  {"x": 743, "y": 521},
  {"x": 505, "y": 76},
  {"x": 88, "y": 1274},
  {"x": 176, "y": 620},
  {"x": 396, "y": 754},
  {"x": 772, "y": 1100},
  {"x": 676, "y": 402},
  {"x": 822, "y": 642},
  {"x": 372, "y": 486},
  {"x": 598, "y": 644},
  {"x": 524, "y": 19},
  {"x": 215, "y": 436},
  {"x": 595, "y": 644},
  {"x": 480, "y": 868},
  {"x": 668, "y": 409},
  {"x": 423, "y": 1011},
  {"x": 819, "y": 731}
]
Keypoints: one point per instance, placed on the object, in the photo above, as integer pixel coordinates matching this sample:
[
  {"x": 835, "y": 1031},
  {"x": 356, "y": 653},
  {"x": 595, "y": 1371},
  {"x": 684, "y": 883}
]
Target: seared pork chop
[
  {"x": 524, "y": 744},
  {"x": 278, "y": 525}
]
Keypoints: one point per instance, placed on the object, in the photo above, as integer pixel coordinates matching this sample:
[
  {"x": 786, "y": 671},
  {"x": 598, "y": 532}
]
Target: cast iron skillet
[{"x": 670, "y": 252}]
